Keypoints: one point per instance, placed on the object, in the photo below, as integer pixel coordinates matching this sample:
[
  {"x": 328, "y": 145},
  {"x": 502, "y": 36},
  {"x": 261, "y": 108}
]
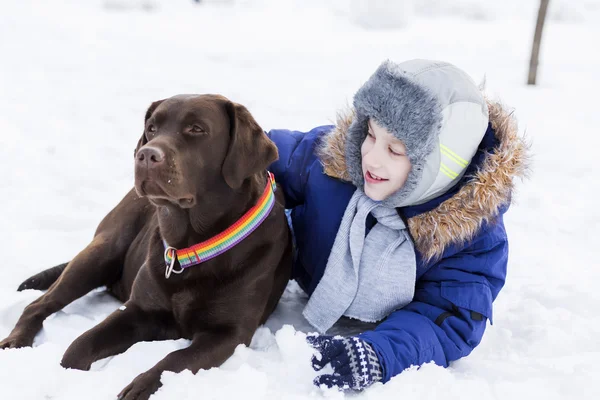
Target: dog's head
[{"x": 192, "y": 143}]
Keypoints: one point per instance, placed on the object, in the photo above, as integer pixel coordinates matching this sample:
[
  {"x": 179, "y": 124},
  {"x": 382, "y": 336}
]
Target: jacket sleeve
[
  {"x": 452, "y": 302},
  {"x": 296, "y": 156}
]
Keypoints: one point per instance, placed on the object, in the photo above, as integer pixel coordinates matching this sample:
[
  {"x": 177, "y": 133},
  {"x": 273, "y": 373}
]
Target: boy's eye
[
  {"x": 395, "y": 152},
  {"x": 370, "y": 134}
]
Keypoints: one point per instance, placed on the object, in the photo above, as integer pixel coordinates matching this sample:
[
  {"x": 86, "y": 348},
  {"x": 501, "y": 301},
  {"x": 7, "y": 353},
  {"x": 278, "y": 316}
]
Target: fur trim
[
  {"x": 456, "y": 220},
  {"x": 332, "y": 150}
]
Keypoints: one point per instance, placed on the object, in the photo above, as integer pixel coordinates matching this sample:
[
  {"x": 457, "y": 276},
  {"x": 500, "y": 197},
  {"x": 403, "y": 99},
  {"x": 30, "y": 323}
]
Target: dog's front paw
[
  {"x": 75, "y": 358},
  {"x": 69, "y": 361},
  {"x": 16, "y": 342},
  {"x": 141, "y": 388}
]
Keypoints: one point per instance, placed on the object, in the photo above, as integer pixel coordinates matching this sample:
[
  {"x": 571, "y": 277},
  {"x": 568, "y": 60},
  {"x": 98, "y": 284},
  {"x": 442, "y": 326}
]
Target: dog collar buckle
[{"x": 170, "y": 261}]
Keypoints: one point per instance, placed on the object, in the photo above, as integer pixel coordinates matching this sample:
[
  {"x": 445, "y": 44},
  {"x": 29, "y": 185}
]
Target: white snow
[{"x": 76, "y": 78}]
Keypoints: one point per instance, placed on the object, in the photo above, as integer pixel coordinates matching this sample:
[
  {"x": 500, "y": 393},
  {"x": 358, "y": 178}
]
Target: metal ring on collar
[{"x": 170, "y": 265}]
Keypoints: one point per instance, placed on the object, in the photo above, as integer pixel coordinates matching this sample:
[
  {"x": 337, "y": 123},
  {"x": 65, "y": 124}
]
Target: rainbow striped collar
[{"x": 225, "y": 240}]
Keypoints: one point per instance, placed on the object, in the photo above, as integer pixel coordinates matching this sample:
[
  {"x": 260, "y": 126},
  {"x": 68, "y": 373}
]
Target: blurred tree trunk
[{"x": 537, "y": 39}]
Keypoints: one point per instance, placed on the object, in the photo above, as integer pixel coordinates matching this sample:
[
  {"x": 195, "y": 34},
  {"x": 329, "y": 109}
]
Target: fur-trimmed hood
[{"x": 480, "y": 200}]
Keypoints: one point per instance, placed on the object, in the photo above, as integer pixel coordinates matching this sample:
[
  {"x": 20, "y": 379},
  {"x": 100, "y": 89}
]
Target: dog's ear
[
  {"x": 143, "y": 140},
  {"x": 250, "y": 150}
]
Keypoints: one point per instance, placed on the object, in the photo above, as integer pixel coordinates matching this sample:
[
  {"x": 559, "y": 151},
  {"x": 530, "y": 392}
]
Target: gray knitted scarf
[{"x": 366, "y": 278}]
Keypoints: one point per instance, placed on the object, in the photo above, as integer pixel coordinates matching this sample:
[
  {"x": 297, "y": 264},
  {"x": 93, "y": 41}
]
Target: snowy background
[{"x": 77, "y": 76}]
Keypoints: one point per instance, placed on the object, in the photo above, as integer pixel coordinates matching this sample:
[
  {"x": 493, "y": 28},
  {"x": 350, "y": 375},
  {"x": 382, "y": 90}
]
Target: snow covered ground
[{"x": 76, "y": 77}]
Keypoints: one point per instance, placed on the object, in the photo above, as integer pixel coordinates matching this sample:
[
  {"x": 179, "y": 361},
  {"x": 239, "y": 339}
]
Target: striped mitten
[{"x": 353, "y": 360}]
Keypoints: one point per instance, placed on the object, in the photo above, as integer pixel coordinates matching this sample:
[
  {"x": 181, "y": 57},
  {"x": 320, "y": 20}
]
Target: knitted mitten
[{"x": 353, "y": 360}]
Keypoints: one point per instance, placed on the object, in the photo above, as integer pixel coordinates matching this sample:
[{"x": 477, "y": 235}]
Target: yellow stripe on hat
[
  {"x": 453, "y": 156},
  {"x": 448, "y": 172}
]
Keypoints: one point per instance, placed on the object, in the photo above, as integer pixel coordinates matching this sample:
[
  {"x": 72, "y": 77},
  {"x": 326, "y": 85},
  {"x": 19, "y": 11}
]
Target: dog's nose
[{"x": 151, "y": 156}]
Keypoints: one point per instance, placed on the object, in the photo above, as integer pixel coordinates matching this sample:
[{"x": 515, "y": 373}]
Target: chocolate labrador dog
[{"x": 199, "y": 250}]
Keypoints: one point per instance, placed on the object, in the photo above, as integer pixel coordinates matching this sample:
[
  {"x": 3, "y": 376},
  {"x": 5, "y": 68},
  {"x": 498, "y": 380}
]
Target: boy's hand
[{"x": 353, "y": 360}]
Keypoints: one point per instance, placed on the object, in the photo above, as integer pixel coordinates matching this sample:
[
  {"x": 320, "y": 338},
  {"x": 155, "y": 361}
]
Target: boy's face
[{"x": 385, "y": 164}]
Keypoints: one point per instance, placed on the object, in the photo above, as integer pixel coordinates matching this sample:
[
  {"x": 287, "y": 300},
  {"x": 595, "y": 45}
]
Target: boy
[{"x": 397, "y": 217}]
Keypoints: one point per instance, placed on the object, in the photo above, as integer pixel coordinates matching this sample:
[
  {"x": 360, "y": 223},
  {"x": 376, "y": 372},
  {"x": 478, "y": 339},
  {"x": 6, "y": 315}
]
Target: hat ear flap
[
  {"x": 250, "y": 150},
  {"x": 143, "y": 139}
]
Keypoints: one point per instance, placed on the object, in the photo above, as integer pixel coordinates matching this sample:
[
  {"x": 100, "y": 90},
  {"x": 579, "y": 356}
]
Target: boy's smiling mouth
[{"x": 372, "y": 178}]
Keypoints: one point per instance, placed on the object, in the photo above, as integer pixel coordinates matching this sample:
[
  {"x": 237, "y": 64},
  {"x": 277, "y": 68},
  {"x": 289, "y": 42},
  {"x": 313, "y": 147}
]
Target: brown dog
[{"x": 199, "y": 167}]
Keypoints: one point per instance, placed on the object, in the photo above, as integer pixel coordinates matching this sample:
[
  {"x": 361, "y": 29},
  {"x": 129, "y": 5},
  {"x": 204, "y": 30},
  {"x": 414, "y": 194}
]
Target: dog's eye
[
  {"x": 196, "y": 129},
  {"x": 151, "y": 128}
]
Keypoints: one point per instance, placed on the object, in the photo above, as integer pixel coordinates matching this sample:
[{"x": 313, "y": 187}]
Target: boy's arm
[
  {"x": 447, "y": 317},
  {"x": 296, "y": 156}
]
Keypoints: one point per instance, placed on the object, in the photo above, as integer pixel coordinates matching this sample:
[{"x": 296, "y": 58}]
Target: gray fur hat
[{"x": 435, "y": 109}]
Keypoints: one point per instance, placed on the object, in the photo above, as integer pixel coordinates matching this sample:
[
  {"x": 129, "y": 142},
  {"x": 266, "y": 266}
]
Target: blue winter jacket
[{"x": 461, "y": 266}]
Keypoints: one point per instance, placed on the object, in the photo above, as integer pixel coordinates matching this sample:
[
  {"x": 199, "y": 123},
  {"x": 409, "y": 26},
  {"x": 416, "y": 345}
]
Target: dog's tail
[{"x": 44, "y": 279}]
